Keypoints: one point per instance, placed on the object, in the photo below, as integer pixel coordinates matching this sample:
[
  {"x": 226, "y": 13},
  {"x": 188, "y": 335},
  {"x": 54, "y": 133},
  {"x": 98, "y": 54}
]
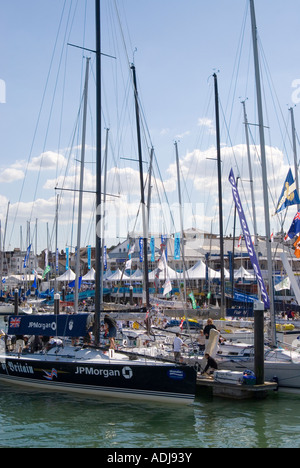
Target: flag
[
  {"x": 167, "y": 287},
  {"x": 27, "y": 256},
  {"x": 141, "y": 244},
  {"x": 67, "y": 258},
  {"x": 289, "y": 195},
  {"x": 240, "y": 240},
  {"x": 284, "y": 284},
  {"x": 164, "y": 240},
  {"x": 297, "y": 247},
  {"x": 131, "y": 250},
  {"x": 89, "y": 254},
  {"x": 72, "y": 283},
  {"x": 192, "y": 297},
  {"x": 295, "y": 227},
  {"x": 177, "y": 246},
  {"x": 128, "y": 264},
  {"x": 152, "y": 247},
  {"x": 34, "y": 285},
  {"x": 47, "y": 269},
  {"x": 248, "y": 241},
  {"x": 162, "y": 262},
  {"x": 105, "y": 258}
]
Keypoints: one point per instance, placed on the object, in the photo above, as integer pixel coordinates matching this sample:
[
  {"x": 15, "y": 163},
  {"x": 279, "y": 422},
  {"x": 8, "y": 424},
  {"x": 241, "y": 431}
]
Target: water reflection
[{"x": 43, "y": 419}]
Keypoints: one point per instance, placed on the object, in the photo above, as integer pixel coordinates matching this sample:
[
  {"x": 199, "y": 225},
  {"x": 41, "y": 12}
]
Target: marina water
[
  {"x": 44, "y": 419},
  {"x": 36, "y": 419}
]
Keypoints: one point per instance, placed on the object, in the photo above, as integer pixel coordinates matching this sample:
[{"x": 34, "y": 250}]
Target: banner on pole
[{"x": 248, "y": 240}]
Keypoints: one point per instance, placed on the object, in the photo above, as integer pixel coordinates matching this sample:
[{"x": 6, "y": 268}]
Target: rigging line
[
  {"x": 38, "y": 119},
  {"x": 255, "y": 147},
  {"x": 121, "y": 31},
  {"x": 237, "y": 62},
  {"x": 234, "y": 155},
  {"x": 50, "y": 116},
  {"x": 273, "y": 90}
]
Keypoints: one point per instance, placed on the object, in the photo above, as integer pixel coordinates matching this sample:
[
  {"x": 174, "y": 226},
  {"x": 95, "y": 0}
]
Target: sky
[{"x": 176, "y": 47}]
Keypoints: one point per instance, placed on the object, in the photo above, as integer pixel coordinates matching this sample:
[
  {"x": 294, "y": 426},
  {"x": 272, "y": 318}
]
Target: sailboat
[
  {"x": 269, "y": 363},
  {"x": 90, "y": 370}
]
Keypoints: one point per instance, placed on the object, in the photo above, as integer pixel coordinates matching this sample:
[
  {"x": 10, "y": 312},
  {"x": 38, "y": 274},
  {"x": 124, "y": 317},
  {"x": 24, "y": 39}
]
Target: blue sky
[{"x": 179, "y": 46}]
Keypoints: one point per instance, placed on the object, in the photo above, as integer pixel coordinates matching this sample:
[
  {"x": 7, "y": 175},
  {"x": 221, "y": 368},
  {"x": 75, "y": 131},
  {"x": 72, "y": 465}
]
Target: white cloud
[
  {"x": 45, "y": 161},
  {"x": 11, "y": 175},
  {"x": 208, "y": 123}
]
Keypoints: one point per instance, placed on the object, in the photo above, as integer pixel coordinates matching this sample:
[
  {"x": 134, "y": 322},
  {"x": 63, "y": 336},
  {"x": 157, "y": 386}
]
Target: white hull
[{"x": 280, "y": 365}]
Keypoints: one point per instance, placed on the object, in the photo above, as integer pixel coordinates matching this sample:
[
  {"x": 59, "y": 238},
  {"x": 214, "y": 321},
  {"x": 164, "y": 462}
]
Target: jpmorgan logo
[{"x": 127, "y": 372}]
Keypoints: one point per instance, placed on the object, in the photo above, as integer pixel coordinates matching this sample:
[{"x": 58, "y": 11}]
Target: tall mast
[
  {"x": 295, "y": 152},
  {"x": 104, "y": 215},
  {"x": 220, "y": 198},
  {"x": 181, "y": 221},
  {"x": 98, "y": 249},
  {"x": 77, "y": 268},
  {"x": 250, "y": 173},
  {"x": 264, "y": 171},
  {"x": 145, "y": 223}
]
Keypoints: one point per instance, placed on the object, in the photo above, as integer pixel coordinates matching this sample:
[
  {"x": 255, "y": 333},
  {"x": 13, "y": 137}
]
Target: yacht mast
[
  {"x": 220, "y": 198},
  {"x": 181, "y": 222},
  {"x": 98, "y": 248},
  {"x": 77, "y": 268},
  {"x": 145, "y": 223},
  {"x": 264, "y": 171}
]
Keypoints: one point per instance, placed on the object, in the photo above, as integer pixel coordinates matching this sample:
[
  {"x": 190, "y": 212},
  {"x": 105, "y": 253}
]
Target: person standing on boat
[
  {"x": 111, "y": 326},
  {"x": 201, "y": 340},
  {"x": 177, "y": 347},
  {"x": 208, "y": 327}
]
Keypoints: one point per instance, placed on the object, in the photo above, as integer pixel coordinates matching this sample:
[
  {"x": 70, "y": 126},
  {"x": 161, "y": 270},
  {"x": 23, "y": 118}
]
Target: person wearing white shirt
[{"x": 177, "y": 344}]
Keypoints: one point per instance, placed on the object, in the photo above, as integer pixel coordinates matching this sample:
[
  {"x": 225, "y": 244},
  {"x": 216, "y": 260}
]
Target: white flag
[
  {"x": 284, "y": 284},
  {"x": 167, "y": 287},
  {"x": 162, "y": 263}
]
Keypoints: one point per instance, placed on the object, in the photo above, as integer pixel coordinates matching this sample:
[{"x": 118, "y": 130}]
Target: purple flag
[{"x": 248, "y": 240}]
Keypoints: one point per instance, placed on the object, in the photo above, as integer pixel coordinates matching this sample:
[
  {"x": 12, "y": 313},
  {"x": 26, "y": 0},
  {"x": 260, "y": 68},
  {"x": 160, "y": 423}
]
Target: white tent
[
  {"x": 243, "y": 273},
  {"x": 137, "y": 275},
  {"x": 68, "y": 275},
  {"x": 198, "y": 271},
  {"x": 117, "y": 276},
  {"x": 107, "y": 274},
  {"x": 171, "y": 274},
  {"x": 90, "y": 276}
]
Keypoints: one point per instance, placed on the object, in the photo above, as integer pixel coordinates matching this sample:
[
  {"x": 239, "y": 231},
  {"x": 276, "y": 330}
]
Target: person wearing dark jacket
[
  {"x": 211, "y": 365},
  {"x": 208, "y": 327}
]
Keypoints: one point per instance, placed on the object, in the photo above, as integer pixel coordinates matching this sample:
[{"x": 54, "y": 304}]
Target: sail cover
[{"x": 49, "y": 325}]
